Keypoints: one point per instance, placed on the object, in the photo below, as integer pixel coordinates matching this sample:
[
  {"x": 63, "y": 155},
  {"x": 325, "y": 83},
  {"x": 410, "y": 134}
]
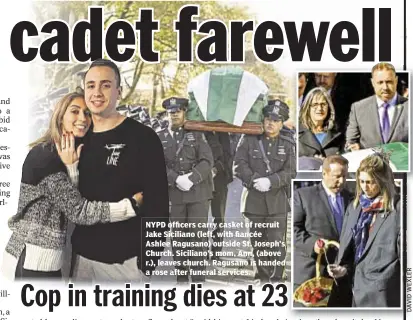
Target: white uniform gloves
[
  {"x": 183, "y": 183},
  {"x": 262, "y": 184}
]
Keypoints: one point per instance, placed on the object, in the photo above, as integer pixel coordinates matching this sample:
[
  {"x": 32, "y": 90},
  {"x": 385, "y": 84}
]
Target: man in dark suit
[
  {"x": 318, "y": 215},
  {"x": 325, "y": 80},
  {"x": 302, "y": 83},
  {"x": 381, "y": 118}
]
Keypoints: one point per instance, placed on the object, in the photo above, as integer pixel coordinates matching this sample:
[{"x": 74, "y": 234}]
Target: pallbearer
[
  {"x": 266, "y": 164},
  {"x": 189, "y": 162},
  {"x": 222, "y": 174}
]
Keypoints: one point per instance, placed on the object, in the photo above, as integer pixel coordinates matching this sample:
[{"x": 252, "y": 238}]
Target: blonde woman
[
  {"x": 49, "y": 198},
  {"x": 369, "y": 256},
  {"x": 318, "y": 136}
]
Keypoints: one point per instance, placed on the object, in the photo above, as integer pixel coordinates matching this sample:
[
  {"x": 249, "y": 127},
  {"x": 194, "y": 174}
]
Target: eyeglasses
[{"x": 323, "y": 105}]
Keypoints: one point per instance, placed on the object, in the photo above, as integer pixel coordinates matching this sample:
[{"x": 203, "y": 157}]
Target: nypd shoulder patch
[{"x": 190, "y": 136}]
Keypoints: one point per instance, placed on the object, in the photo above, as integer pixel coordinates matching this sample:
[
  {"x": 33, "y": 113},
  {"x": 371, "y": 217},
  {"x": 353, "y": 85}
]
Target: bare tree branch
[
  {"x": 165, "y": 44},
  {"x": 154, "y": 91},
  {"x": 108, "y": 19},
  {"x": 136, "y": 77},
  {"x": 126, "y": 10}
]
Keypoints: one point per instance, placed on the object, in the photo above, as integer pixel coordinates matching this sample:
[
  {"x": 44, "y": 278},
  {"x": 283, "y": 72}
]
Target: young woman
[
  {"x": 48, "y": 197},
  {"x": 369, "y": 255}
]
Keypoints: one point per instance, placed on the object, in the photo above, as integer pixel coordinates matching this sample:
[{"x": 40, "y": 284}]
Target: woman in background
[
  {"x": 48, "y": 197},
  {"x": 318, "y": 136},
  {"x": 369, "y": 256}
]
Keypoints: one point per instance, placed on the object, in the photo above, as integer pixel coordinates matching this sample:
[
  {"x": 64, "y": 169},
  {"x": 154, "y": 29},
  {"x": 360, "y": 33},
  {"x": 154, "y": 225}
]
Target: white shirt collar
[
  {"x": 172, "y": 133},
  {"x": 392, "y": 102},
  {"x": 328, "y": 191}
]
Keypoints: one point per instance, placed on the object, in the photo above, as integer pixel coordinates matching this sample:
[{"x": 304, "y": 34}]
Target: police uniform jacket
[
  {"x": 249, "y": 165},
  {"x": 187, "y": 152},
  {"x": 220, "y": 146}
]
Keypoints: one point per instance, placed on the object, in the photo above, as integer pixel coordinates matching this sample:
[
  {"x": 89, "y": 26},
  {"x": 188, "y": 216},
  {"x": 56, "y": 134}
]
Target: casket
[
  {"x": 399, "y": 156},
  {"x": 226, "y": 99}
]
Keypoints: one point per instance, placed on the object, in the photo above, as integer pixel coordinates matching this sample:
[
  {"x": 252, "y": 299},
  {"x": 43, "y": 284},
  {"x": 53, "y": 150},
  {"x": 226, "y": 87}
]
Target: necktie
[
  {"x": 385, "y": 123},
  {"x": 337, "y": 212}
]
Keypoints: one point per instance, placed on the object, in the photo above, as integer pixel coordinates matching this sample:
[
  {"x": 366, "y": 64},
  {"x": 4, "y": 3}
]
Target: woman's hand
[
  {"x": 319, "y": 156},
  {"x": 66, "y": 149},
  {"x": 336, "y": 271},
  {"x": 138, "y": 197},
  {"x": 353, "y": 146}
]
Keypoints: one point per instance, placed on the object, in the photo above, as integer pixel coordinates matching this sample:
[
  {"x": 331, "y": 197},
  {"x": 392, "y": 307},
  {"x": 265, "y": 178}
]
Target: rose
[{"x": 314, "y": 295}]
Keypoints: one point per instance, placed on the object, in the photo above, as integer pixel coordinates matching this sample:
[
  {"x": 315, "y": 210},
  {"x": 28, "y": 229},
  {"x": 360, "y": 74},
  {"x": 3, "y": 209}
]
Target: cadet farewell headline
[{"x": 88, "y": 40}]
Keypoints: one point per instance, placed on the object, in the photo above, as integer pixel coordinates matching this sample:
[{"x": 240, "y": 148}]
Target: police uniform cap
[
  {"x": 175, "y": 104},
  {"x": 276, "y": 110}
]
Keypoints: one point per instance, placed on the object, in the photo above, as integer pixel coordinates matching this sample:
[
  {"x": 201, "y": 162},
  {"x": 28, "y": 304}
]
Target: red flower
[{"x": 314, "y": 295}]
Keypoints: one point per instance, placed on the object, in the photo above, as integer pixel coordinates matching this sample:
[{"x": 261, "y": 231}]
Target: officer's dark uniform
[
  {"x": 188, "y": 152},
  {"x": 221, "y": 150},
  {"x": 271, "y": 206}
]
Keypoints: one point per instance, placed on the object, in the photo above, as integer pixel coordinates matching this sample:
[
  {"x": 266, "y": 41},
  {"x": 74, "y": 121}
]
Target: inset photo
[
  {"x": 353, "y": 114},
  {"x": 347, "y": 236}
]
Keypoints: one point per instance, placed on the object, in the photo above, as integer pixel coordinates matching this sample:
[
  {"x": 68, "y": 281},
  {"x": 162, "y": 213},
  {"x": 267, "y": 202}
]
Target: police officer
[
  {"x": 155, "y": 124},
  {"x": 266, "y": 164},
  {"x": 189, "y": 162},
  {"x": 222, "y": 173},
  {"x": 285, "y": 131}
]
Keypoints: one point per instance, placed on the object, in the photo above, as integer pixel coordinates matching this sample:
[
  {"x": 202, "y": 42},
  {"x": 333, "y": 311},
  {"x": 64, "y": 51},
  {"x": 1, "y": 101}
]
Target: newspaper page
[{"x": 205, "y": 160}]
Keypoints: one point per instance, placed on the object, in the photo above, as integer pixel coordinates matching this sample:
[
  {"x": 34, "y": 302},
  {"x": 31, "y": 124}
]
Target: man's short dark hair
[
  {"x": 106, "y": 63},
  {"x": 383, "y": 66},
  {"x": 335, "y": 158}
]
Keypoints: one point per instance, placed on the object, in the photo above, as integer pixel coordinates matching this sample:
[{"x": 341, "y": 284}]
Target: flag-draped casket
[{"x": 226, "y": 99}]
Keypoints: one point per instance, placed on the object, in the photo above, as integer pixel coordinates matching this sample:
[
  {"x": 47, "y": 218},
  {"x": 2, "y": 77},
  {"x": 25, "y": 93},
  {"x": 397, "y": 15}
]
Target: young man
[
  {"x": 266, "y": 164},
  {"x": 120, "y": 157},
  {"x": 189, "y": 163}
]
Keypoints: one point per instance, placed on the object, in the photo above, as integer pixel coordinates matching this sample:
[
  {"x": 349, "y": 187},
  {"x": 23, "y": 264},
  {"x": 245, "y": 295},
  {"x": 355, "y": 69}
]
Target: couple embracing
[{"x": 103, "y": 172}]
